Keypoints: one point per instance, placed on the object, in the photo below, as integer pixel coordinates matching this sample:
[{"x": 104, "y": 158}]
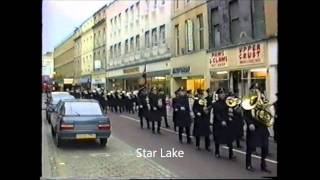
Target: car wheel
[
  {"x": 57, "y": 140},
  {"x": 103, "y": 141}
]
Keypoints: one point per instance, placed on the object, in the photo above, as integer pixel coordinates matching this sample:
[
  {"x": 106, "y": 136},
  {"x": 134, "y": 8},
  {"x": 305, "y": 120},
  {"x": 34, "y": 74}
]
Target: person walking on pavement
[
  {"x": 163, "y": 108},
  {"x": 276, "y": 124},
  {"x": 222, "y": 125},
  {"x": 202, "y": 120},
  {"x": 183, "y": 119}
]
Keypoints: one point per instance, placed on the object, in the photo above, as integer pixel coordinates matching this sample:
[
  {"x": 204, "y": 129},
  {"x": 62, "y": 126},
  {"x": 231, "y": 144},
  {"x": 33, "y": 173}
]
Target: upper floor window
[
  {"x": 235, "y": 28},
  {"x": 154, "y": 36}
]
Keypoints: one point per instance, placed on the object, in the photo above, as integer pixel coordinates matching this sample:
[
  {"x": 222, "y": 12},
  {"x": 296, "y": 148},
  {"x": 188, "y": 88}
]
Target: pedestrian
[
  {"x": 163, "y": 107},
  {"x": 276, "y": 124},
  {"x": 140, "y": 102},
  {"x": 257, "y": 136},
  {"x": 156, "y": 104},
  {"x": 183, "y": 119},
  {"x": 221, "y": 125},
  {"x": 202, "y": 120}
]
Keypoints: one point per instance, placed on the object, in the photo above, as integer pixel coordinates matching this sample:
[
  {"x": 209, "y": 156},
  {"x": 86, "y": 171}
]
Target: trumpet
[{"x": 259, "y": 106}]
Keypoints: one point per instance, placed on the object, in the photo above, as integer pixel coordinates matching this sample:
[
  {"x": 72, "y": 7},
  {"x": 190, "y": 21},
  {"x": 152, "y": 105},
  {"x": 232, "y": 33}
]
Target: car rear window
[
  {"x": 56, "y": 99},
  {"x": 82, "y": 108}
]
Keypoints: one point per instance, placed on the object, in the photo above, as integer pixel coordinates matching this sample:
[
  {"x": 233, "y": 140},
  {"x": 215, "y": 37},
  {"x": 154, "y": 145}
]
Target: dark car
[
  {"x": 51, "y": 105},
  {"x": 80, "y": 119}
]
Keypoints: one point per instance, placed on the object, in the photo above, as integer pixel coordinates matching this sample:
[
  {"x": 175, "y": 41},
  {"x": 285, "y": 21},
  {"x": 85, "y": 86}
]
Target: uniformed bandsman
[
  {"x": 183, "y": 119},
  {"x": 155, "y": 117},
  {"x": 221, "y": 125},
  {"x": 163, "y": 107},
  {"x": 202, "y": 120}
]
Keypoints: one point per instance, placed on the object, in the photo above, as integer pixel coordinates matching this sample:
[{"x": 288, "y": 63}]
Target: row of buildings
[{"x": 191, "y": 43}]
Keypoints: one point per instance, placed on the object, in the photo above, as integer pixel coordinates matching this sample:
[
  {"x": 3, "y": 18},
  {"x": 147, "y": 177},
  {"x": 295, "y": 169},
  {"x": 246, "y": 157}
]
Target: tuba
[{"x": 259, "y": 106}]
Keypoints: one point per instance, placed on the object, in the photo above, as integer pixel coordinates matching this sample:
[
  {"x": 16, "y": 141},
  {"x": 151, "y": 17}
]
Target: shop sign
[
  {"x": 131, "y": 70},
  {"x": 219, "y": 59},
  {"x": 250, "y": 54},
  {"x": 67, "y": 81},
  {"x": 181, "y": 70}
]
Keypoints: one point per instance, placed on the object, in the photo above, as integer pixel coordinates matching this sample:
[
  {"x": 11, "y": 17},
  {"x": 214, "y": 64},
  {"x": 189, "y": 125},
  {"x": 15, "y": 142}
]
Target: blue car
[
  {"x": 51, "y": 105},
  {"x": 78, "y": 119}
]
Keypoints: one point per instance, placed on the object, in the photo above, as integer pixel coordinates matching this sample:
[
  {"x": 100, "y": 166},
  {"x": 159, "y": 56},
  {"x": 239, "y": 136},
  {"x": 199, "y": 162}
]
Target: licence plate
[{"x": 86, "y": 136}]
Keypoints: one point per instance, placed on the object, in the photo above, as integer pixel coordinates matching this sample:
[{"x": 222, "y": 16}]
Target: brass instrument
[
  {"x": 259, "y": 107},
  {"x": 160, "y": 104},
  {"x": 232, "y": 101},
  {"x": 148, "y": 103},
  {"x": 203, "y": 102}
]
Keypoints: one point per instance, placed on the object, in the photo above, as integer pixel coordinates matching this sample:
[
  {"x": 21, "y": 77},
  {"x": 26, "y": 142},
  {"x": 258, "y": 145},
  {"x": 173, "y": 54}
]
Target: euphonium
[{"x": 259, "y": 107}]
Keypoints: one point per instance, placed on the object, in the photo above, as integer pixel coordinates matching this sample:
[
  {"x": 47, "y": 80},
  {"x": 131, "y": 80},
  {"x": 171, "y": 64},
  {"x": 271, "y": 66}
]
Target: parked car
[
  {"x": 80, "y": 119},
  {"x": 53, "y": 102}
]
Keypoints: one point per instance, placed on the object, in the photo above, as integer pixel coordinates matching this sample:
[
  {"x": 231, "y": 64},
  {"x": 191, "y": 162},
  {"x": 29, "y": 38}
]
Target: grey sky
[{"x": 60, "y": 17}]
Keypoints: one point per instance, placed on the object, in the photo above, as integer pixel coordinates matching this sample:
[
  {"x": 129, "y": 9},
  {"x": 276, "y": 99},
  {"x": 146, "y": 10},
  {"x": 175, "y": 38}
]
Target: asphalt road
[{"x": 119, "y": 158}]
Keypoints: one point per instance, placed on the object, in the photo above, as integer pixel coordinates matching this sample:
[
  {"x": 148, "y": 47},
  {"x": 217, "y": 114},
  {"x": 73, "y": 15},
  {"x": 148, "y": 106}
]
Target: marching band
[{"x": 229, "y": 114}]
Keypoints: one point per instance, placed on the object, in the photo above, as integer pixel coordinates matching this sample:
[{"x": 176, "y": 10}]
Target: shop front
[
  {"x": 127, "y": 78},
  {"x": 85, "y": 81},
  {"x": 98, "y": 81},
  {"x": 190, "y": 71},
  {"x": 236, "y": 69}
]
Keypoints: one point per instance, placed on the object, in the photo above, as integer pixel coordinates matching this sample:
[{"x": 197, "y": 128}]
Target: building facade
[
  {"x": 243, "y": 45},
  {"x": 138, "y": 38},
  {"x": 87, "y": 52},
  {"x": 77, "y": 56},
  {"x": 189, "y": 30},
  {"x": 63, "y": 57},
  {"x": 47, "y": 64},
  {"x": 99, "y": 48}
]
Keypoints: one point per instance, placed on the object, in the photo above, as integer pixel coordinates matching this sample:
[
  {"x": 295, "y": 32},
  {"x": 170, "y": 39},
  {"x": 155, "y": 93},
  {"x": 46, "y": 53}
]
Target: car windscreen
[
  {"x": 82, "y": 108},
  {"x": 56, "y": 99}
]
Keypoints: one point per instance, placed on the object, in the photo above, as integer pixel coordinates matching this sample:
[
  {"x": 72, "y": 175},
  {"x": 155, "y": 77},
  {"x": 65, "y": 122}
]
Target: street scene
[{"x": 159, "y": 89}]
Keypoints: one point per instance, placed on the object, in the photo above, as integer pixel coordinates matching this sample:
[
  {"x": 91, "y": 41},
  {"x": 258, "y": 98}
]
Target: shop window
[{"x": 219, "y": 79}]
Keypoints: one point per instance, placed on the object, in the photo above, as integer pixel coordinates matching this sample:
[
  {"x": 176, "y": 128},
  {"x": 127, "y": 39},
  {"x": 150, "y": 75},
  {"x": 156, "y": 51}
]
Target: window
[
  {"x": 155, "y": 4},
  {"x": 126, "y": 46},
  {"x": 235, "y": 28},
  {"x": 131, "y": 44},
  {"x": 162, "y": 2},
  {"x": 200, "y": 21},
  {"x": 189, "y": 35},
  {"x": 147, "y": 39},
  {"x": 126, "y": 16},
  {"x": 177, "y": 4},
  {"x": 132, "y": 14},
  {"x": 187, "y": 1},
  {"x": 163, "y": 34},
  {"x": 138, "y": 42},
  {"x": 115, "y": 50},
  {"x": 154, "y": 37},
  {"x": 258, "y": 25},
  {"x": 119, "y": 49},
  {"x": 82, "y": 108},
  {"x": 215, "y": 27},
  {"x": 177, "y": 48}
]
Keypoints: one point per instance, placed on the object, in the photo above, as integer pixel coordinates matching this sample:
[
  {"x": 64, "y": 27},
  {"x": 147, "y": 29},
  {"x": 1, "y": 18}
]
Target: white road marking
[{"x": 225, "y": 147}]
